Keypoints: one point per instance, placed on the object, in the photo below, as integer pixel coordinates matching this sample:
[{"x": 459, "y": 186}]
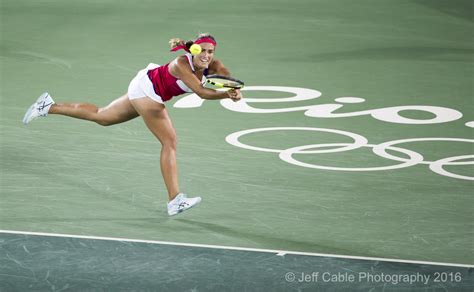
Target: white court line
[{"x": 277, "y": 252}]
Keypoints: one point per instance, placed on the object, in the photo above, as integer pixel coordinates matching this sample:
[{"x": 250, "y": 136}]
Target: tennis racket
[{"x": 224, "y": 81}]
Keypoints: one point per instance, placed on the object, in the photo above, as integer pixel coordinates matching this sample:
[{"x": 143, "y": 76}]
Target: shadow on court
[{"x": 265, "y": 239}]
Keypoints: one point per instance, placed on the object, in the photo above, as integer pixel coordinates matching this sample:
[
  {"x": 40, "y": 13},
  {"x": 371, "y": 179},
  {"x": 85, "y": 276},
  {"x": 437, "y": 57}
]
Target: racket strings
[{"x": 224, "y": 81}]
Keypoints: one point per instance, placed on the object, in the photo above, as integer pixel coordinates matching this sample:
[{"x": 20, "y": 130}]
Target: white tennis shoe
[
  {"x": 182, "y": 203},
  {"x": 39, "y": 109}
]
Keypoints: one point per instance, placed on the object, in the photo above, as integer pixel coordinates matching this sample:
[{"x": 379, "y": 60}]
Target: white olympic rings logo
[{"x": 414, "y": 158}]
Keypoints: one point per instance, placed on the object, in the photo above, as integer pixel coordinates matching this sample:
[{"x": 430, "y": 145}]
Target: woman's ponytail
[{"x": 175, "y": 42}]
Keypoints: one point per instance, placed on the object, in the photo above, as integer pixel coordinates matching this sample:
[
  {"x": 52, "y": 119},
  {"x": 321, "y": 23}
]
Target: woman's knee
[
  {"x": 118, "y": 111},
  {"x": 170, "y": 142},
  {"x": 104, "y": 122},
  {"x": 103, "y": 117}
]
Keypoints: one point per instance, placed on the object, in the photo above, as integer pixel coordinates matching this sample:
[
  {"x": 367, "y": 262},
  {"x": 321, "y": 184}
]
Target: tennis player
[{"x": 147, "y": 94}]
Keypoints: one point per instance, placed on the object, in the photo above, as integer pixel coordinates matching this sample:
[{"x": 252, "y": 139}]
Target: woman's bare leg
[
  {"x": 118, "y": 111},
  {"x": 158, "y": 121}
]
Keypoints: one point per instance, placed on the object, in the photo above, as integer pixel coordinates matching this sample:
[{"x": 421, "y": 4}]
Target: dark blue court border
[{"x": 48, "y": 263}]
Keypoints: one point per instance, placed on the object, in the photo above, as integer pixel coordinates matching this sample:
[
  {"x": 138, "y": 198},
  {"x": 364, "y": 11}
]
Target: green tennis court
[{"x": 350, "y": 155}]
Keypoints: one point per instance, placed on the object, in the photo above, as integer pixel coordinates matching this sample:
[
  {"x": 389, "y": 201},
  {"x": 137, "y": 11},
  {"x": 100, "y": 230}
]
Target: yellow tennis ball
[{"x": 195, "y": 49}]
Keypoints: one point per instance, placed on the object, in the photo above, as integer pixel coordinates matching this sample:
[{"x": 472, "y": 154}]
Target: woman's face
[{"x": 203, "y": 59}]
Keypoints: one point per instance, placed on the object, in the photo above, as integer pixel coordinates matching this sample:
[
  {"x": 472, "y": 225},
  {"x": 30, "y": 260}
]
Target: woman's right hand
[{"x": 234, "y": 94}]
